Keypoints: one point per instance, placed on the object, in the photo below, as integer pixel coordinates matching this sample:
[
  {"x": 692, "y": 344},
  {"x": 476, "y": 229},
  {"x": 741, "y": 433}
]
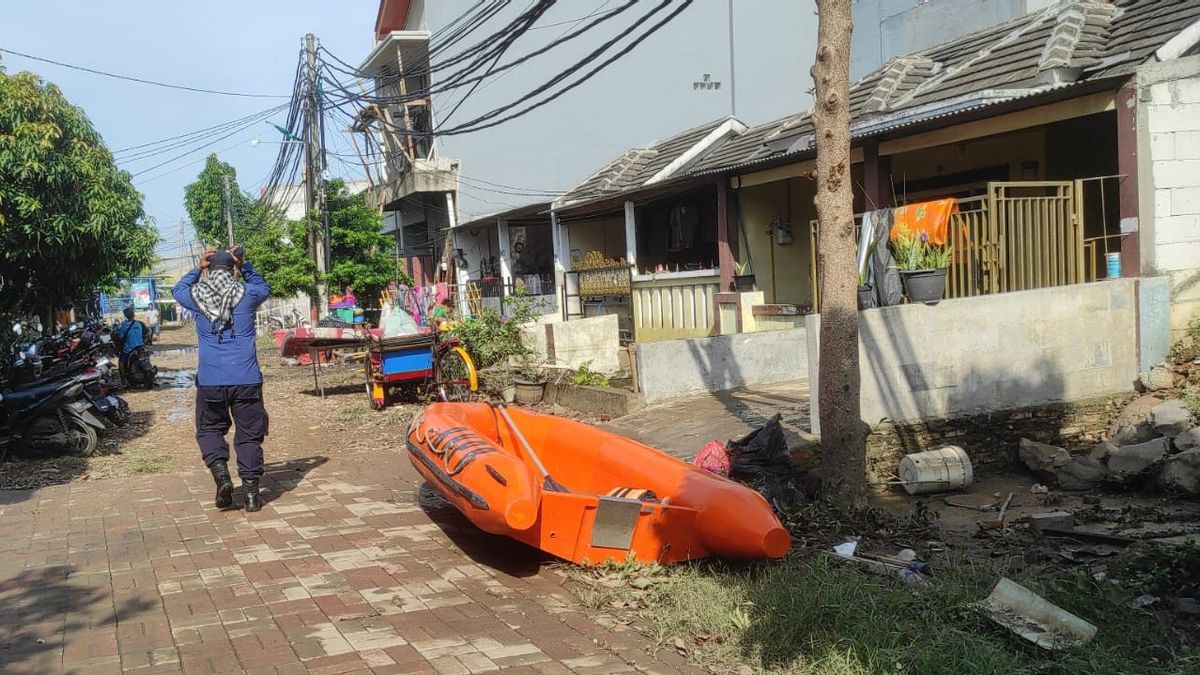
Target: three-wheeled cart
[{"x": 417, "y": 366}]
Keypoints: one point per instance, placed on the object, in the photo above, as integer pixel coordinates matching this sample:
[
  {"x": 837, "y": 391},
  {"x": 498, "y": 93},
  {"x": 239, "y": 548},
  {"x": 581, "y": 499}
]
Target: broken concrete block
[
  {"x": 1103, "y": 449},
  {"x": 1188, "y": 439},
  {"x": 1042, "y": 458},
  {"x": 1055, "y": 520},
  {"x": 1130, "y": 460},
  {"x": 1081, "y": 473},
  {"x": 1135, "y": 412},
  {"x": 1159, "y": 377},
  {"x": 1134, "y": 434},
  {"x": 1170, "y": 418},
  {"x": 1182, "y": 472}
]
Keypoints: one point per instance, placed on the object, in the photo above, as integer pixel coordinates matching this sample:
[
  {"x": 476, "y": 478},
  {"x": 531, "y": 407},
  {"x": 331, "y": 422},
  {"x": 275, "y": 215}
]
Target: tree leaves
[{"x": 69, "y": 218}]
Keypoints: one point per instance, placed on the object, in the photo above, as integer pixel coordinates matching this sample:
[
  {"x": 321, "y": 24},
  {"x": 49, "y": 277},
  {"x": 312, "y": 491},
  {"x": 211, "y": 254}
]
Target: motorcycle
[
  {"x": 105, "y": 404},
  {"x": 53, "y": 417},
  {"x": 139, "y": 371}
]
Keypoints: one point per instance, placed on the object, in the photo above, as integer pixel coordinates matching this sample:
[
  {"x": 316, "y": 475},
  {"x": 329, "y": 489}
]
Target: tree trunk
[{"x": 843, "y": 435}]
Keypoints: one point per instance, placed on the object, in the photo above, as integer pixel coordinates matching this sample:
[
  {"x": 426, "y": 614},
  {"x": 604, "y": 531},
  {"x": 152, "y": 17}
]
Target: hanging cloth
[
  {"x": 682, "y": 228},
  {"x": 884, "y": 276},
  {"x": 929, "y": 218},
  {"x": 866, "y": 237}
]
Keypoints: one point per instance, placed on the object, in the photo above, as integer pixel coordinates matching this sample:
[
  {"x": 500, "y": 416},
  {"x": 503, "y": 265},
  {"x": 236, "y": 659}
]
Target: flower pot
[
  {"x": 529, "y": 392},
  {"x": 509, "y": 393},
  {"x": 743, "y": 283},
  {"x": 928, "y": 286},
  {"x": 866, "y": 297}
]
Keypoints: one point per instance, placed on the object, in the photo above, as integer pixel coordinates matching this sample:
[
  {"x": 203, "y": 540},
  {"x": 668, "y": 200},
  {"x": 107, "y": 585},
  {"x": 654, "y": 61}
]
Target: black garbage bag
[{"x": 761, "y": 460}]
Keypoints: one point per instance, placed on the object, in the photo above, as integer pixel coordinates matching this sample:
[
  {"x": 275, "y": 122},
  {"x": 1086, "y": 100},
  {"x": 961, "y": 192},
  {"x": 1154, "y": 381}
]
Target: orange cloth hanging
[{"x": 931, "y": 218}]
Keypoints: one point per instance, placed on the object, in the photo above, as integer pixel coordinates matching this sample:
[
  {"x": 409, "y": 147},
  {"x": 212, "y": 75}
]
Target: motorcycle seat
[{"x": 19, "y": 398}]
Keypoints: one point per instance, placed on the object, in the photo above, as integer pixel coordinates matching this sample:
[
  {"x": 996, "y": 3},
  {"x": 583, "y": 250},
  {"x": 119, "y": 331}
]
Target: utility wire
[{"x": 139, "y": 80}]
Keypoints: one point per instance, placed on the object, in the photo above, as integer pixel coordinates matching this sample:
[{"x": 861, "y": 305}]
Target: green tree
[
  {"x": 360, "y": 254},
  {"x": 279, "y": 250},
  {"x": 70, "y": 220},
  {"x": 204, "y": 199}
]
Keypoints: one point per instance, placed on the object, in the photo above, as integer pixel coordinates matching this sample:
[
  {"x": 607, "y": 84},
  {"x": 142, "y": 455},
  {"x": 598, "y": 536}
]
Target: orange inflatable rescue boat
[{"x": 584, "y": 494}]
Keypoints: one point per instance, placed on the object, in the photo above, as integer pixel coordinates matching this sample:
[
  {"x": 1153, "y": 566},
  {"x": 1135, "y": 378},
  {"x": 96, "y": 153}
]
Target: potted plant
[
  {"x": 499, "y": 381},
  {"x": 743, "y": 281},
  {"x": 922, "y": 266},
  {"x": 530, "y": 382}
]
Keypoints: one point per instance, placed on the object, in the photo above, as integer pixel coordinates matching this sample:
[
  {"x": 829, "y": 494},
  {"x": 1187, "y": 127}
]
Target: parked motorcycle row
[{"x": 58, "y": 392}]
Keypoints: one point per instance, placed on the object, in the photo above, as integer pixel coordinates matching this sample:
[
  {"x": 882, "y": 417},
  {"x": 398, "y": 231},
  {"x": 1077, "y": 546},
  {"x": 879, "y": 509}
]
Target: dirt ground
[
  {"x": 160, "y": 437},
  {"x": 367, "y": 445}
]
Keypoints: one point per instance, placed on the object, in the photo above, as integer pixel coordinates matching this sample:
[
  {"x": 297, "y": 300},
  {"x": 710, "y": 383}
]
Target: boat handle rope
[
  {"x": 442, "y": 438},
  {"x": 418, "y": 430},
  {"x": 452, "y": 445},
  {"x": 470, "y": 446}
]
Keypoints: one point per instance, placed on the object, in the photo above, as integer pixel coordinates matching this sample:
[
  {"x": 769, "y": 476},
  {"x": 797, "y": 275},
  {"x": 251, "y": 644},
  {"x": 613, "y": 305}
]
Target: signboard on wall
[{"x": 140, "y": 293}]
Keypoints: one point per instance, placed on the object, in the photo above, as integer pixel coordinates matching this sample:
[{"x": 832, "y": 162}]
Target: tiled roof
[
  {"x": 1070, "y": 41},
  {"x": 637, "y": 166}
]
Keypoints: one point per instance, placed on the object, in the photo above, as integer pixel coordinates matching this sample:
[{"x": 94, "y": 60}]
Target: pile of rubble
[{"x": 1153, "y": 442}]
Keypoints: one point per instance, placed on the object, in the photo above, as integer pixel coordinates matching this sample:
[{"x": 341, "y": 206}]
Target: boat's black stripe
[
  {"x": 466, "y": 460},
  {"x": 454, "y": 486},
  {"x": 496, "y": 474}
]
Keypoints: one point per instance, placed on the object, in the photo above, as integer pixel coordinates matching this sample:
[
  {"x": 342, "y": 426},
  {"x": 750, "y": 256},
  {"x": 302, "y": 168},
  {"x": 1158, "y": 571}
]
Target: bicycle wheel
[{"x": 456, "y": 379}]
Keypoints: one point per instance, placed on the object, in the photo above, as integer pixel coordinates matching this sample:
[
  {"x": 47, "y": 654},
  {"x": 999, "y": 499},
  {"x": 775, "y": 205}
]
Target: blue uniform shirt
[
  {"x": 129, "y": 334},
  {"x": 227, "y": 357}
]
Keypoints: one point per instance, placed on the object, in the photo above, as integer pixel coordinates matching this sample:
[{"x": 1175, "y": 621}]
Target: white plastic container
[{"x": 941, "y": 470}]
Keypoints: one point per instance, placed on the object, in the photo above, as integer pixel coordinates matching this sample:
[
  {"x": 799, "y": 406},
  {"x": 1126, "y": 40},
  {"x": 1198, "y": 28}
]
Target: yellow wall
[
  {"x": 762, "y": 204},
  {"x": 605, "y": 234},
  {"x": 1007, "y": 149}
]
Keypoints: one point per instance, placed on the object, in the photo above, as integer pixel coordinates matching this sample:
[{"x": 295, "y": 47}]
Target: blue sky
[{"x": 253, "y": 47}]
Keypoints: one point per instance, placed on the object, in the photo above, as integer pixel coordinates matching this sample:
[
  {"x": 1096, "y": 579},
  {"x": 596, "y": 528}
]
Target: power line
[
  {"x": 216, "y": 127},
  {"x": 139, "y": 80}
]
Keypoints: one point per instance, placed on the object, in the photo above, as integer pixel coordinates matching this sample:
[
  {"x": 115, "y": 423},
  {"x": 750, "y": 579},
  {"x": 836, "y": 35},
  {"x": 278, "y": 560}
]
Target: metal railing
[{"x": 1019, "y": 236}]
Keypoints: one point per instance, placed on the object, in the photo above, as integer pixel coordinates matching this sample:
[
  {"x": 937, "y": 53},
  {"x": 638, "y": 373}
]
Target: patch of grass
[
  {"x": 352, "y": 413},
  {"x": 136, "y": 461},
  {"x": 585, "y": 376},
  {"x": 1191, "y": 399},
  {"x": 148, "y": 462},
  {"x": 816, "y": 615},
  {"x": 266, "y": 342}
]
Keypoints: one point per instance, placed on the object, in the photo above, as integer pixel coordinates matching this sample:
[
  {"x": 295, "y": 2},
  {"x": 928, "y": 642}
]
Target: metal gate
[{"x": 1039, "y": 231}]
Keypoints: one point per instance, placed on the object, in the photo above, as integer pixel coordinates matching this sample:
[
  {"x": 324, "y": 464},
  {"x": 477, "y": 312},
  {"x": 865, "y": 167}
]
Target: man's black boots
[
  {"x": 220, "y": 473},
  {"x": 253, "y": 499}
]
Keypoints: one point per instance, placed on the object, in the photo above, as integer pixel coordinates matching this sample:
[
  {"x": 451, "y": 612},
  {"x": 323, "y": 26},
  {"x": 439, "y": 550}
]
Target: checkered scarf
[{"x": 216, "y": 296}]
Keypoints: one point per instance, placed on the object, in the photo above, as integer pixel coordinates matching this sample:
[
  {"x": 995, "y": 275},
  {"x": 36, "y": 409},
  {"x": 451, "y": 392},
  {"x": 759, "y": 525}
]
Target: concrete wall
[
  {"x": 595, "y": 341},
  {"x": 788, "y": 280},
  {"x": 1169, "y": 179},
  {"x": 605, "y": 234},
  {"x": 1009, "y": 150},
  {"x": 993, "y": 352},
  {"x": 478, "y": 244},
  {"x": 884, "y": 29},
  {"x": 677, "y": 368}
]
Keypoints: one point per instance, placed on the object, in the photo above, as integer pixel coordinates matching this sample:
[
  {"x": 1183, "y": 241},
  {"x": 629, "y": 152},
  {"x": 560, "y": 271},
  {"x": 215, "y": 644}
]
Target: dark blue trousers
[{"x": 214, "y": 408}]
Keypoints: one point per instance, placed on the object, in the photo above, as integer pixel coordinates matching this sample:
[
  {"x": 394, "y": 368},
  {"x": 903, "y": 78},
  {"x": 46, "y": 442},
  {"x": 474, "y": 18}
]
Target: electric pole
[
  {"x": 182, "y": 244},
  {"x": 228, "y": 213},
  {"x": 732, "y": 89},
  {"x": 313, "y": 181}
]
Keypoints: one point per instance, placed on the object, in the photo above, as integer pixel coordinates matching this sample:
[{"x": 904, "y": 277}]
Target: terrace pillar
[
  {"x": 1127, "y": 167},
  {"x": 631, "y": 235},
  {"x": 726, "y": 235},
  {"x": 877, "y": 177},
  {"x": 505, "y": 252}
]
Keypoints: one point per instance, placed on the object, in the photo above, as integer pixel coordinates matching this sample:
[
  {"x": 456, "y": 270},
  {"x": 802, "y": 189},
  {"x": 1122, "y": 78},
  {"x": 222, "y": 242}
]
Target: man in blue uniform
[
  {"x": 130, "y": 336},
  {"x": 223, "y": 293}
]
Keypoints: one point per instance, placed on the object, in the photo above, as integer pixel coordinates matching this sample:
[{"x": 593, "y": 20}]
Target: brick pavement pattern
[{"x": 146, "y": 576}]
